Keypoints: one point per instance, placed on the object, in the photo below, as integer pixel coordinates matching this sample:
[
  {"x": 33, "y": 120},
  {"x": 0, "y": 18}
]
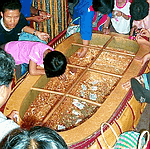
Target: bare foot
[{"x": 82, "y": 53}]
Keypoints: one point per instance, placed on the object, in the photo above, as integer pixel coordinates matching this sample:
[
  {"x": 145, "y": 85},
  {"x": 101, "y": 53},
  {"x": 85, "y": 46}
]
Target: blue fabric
[
  {"x": 146, "y": 83},
  {"x": 86, "y": 18},
  {"x": 110, "y": 15},
  {"x": 29, "y": 37},
  {"x": 26, "y": 4},
  {"x": 24, "y": 68}
]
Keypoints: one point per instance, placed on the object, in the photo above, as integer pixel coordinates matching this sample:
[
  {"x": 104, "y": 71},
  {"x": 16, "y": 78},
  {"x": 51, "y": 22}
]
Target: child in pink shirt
[
  {"x": 35, "y": 54},
  {"x": 140, "y": 12}
]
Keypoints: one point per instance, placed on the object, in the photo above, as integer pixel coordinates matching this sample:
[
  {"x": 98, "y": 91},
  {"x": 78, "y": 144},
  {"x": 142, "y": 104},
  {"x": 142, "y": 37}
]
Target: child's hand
[
  {"x": 45, "y": 15},
  {"x": 132, "y": 30},
  {"x": 144, "y": 59},
  {"x": 106, "y": 31},
  {"x": 145, "y": 32},
  {"x": 141, "y": 40},
  {"x": 37, "y": 19},
  {"x": 14, "y": 115},
  {"x": 118, "y": 13}
]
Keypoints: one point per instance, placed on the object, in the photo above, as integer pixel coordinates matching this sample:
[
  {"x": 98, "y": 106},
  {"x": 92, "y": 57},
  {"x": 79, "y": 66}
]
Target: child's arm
[
  {"x": 141, "y": 40},
  {"x": 41, "y": 35},
  {"x": 132, "y": 30},
  {"x": 119, "y": 14},
  {"x": 145, "y": 32},
  {"x": 37, "y": 19},
  {"x": 127, "y": 17},
  {"x": 106, "y": 29},
  {"x": 144, "y": 59},
  {"x": 34, "y": 70},
  {"x": 73, "y": 70}
]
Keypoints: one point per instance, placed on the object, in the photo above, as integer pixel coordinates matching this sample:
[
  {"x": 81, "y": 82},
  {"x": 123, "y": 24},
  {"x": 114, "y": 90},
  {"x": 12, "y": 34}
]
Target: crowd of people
[{"x": 121, "y": 16}]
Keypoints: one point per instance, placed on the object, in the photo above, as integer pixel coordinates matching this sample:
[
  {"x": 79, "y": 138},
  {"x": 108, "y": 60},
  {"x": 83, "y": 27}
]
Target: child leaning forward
[{"x": 36, "y": 54}]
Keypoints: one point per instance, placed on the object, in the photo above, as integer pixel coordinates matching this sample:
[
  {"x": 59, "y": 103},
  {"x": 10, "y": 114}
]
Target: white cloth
[
  {"x": 6, "y": 126},
  {"x": 2, "y": 22},
  {"x": 120, "y": 24}
]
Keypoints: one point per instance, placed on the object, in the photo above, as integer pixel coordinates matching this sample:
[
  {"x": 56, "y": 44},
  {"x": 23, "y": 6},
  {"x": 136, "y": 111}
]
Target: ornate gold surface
[{"x": 112, "y": 63}]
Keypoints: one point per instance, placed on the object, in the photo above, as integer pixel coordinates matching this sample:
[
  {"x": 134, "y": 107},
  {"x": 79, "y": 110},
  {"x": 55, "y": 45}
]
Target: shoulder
[{"x": 22, "y": 17}]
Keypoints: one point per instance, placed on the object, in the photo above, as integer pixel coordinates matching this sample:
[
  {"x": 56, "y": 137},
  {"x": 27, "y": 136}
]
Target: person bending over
[
  {"x": 94, "y": 14},
  {"x": 36, "y": 138},
  {"x": 36, "y": 54}
]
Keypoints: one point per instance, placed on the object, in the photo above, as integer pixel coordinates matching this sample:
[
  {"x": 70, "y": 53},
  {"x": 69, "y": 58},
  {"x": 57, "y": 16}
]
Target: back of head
[
  {"x": 7, "y": 66},
  {"x": 103, "y": 6},
  {"x": 10, "y": 5},
  {"x": 36, "y": 138},
  {"x": 54, "y": 64},
  {"x": 139, "y": 9}
]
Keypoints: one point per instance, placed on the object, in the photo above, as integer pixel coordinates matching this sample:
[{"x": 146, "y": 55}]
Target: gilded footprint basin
[{"x": 76, "y": 106}]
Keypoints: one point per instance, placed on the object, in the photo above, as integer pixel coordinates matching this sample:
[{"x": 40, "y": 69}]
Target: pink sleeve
[{"x": 36, "y": 53}]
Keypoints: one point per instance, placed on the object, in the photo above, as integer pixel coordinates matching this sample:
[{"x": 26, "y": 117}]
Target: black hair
[
  {"x": 10, "y": 5},
  {"x": 103, "y": 6},
  {"x": 7, "y": 66},
  {"x": 139, "y": 10},
  {"x": 54, "y": 64},
  {"x": 37, "y": 137}
]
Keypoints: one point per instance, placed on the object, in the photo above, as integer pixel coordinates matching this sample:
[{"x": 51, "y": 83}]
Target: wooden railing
[{"x": 56, "y": 25}]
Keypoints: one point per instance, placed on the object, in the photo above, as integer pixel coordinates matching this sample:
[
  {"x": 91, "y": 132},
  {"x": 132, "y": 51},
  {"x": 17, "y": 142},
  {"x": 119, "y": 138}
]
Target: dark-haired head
[
  {"x": 54, "y": 64},
  {"x": 103, "y": 6},
  {"x": 139, "y": 10},
  {"x": 7, "y": 66},
  {"x": 36, "y": 138},
  {"x": 10, "y": 5}
]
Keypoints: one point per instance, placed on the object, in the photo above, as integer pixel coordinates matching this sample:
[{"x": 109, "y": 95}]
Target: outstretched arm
[
  {"x": 37, "y": 19},
  {"x": 41, "y": 35},
  {"x": 145, "y": 32},
  {"x": 141, "y": 40},
  {"x": 41, "y": 13},
  {"x": 34, "y": 69}
]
